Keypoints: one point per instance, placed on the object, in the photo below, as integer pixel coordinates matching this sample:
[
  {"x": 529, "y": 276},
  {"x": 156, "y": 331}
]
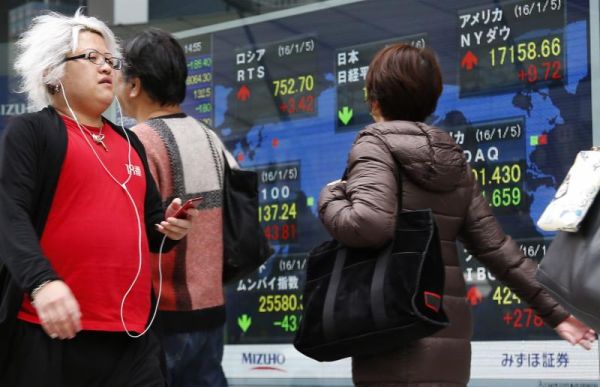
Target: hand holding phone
[{"x": 190, "y": 203}]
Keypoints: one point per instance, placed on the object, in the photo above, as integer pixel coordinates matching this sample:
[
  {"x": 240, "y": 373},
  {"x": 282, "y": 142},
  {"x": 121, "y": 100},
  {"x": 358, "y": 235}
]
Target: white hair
[{"x": 41, "y": 51}]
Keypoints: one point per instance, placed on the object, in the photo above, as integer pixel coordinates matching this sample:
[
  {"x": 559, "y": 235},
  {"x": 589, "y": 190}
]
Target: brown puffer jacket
[{"x": 361, "y": 212}]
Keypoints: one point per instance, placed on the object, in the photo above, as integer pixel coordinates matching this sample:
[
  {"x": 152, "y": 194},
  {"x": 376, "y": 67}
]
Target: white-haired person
[{"x": 79, "y": 215}]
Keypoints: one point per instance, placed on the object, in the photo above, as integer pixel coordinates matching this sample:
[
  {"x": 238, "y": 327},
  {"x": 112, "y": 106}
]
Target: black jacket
[{"x": 32, "y": 150}]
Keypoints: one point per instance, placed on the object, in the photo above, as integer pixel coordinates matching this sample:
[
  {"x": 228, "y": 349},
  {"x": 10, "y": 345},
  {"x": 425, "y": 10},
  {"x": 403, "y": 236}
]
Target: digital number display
[
  {"x": 496, "y": 152},
  {"x": 278, "y": 209},
  {"x": 277, "y": 81},
  {"x": 271, "y": 302},
  {"x": 508, "y": 45},
  {"x": 199, "y": 95}
]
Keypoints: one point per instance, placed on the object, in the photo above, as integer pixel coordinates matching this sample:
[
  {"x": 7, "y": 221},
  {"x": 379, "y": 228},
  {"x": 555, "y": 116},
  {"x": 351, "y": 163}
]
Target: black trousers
[{"x": 91, "y": 359}]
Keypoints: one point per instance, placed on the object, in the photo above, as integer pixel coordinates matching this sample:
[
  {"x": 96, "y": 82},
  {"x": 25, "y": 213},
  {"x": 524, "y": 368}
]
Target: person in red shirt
[{"x": 79, "y": 215}]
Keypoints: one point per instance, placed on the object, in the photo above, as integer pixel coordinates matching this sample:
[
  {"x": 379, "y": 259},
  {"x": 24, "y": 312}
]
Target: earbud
[{"x": 53, "y": 89}]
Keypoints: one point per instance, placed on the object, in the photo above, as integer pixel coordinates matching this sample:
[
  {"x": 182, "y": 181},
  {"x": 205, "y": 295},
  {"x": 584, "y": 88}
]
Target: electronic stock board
[{"x": 287, "y": 97}]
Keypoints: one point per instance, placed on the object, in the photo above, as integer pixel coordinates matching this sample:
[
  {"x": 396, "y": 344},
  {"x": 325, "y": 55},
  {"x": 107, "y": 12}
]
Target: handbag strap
[
  {"x": 377, "y": 282},
  {"x": 329, "y": 305},
  {"x": 214, "y": 153},
  {"x": 378, "y": 311},
  {"x": 380, "y": 316},
  {"x": 377, "y": 296}
]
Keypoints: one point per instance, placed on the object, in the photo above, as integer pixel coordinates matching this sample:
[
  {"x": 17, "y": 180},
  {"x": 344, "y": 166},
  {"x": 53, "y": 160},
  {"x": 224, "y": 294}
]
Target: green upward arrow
[
  {"x": 244, "y": 322},
  {"x": 345, "y": 115}
]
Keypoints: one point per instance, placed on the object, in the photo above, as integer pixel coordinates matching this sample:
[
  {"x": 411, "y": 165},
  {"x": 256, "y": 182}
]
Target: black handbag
[
  {"x": 245, "y": 246},
  {"x": 363, "y": 301},
  {"x": 570, "y": 270}
]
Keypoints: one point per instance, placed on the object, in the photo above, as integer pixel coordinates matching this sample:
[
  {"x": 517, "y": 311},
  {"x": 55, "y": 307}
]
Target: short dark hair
[
  {"x": 406, "y": 82},
  {"x": 158, "y": 60}
]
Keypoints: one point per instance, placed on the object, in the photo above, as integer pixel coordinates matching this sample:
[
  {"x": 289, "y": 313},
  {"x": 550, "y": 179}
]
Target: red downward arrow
[
  {"x": 243, "y": 93},
  {"x": 469, "y": 61}
]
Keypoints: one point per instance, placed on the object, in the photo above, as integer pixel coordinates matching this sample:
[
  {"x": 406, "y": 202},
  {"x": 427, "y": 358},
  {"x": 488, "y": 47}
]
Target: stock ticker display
[{"x": 287, "y": 97}]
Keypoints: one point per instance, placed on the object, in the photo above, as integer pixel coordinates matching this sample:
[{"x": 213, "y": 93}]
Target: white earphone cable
[
  {"x": 162, "y": 243},
  {"x": 137, "y": 275}
]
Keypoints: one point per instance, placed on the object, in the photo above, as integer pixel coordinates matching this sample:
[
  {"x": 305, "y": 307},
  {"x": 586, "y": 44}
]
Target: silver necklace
[{"x": 98, "y": 138}]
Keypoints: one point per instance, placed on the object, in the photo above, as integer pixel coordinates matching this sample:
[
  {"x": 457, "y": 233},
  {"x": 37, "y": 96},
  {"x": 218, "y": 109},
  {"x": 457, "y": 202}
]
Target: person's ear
[
  {"x": 376, "y": 111},
  {"x": 134, "y": 87}
]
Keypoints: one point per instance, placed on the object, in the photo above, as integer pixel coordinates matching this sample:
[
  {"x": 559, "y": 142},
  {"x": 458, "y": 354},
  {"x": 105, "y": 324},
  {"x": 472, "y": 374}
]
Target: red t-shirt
[{"x": 91, "y": 235}]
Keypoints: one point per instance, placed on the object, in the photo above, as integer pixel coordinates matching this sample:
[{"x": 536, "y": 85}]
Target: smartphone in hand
[{"x": 190, "y": 203}]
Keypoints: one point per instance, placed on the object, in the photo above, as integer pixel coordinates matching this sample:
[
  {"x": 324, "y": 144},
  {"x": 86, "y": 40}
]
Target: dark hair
[
  {"x": 158, "y": 60},
  {"x": 406, "y": 82}
]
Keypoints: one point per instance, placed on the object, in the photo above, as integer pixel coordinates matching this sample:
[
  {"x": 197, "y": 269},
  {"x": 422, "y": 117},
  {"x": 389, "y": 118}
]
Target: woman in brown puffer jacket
[{"x": 403, "y": 86}]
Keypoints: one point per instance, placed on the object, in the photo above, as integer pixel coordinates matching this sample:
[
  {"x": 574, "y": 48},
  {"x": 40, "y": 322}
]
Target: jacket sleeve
[
  {"x": 20, "y": 251},
  {"x": 484, "y": 238},
  {"x": 361, "y": 211}
]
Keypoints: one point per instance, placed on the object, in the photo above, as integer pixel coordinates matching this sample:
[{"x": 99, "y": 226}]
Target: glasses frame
[{"x": 114, "y": 62}]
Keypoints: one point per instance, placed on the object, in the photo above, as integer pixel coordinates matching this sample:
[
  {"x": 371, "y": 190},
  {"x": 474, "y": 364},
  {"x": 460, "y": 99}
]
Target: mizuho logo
[{"x": 263, "y": 359}]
